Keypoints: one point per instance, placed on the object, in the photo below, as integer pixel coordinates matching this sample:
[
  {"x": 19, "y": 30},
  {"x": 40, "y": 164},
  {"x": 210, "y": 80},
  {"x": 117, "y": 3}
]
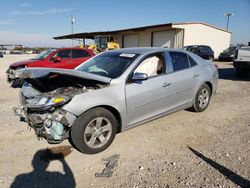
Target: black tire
[
  {"x": 242, "y": 73},
  {"x": 78, "y": 130},
  {"x": 197, "y": 105}
]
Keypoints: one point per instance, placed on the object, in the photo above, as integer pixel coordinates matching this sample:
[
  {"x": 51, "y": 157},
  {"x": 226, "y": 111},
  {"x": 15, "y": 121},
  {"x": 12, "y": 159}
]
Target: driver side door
[
  {"x": 147, "y": 98},
  {"x": 66, "y": 59}
]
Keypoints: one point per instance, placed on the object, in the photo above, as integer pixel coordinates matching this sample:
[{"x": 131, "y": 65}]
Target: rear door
[
  {"x": 78, "y": 57},
  {"x": 184, "y": 78}
]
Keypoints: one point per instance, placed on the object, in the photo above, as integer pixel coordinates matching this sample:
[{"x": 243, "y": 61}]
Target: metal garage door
[
  {"x": 130, "y": 41},
  {"x": 163, "y": 38}
]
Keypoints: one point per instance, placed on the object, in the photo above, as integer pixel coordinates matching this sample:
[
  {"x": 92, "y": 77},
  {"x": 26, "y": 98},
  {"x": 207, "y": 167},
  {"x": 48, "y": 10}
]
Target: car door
[
  {"x": 147, "y": 98},
  {"x": 65, "y": 59},
  {"x": 184, "y": 79}
]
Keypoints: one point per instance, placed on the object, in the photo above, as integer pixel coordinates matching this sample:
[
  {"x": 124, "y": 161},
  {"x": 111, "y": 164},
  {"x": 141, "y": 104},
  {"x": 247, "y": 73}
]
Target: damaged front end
[
  {"x": 45, "y": 115},
  {"x": 43, "y": 97}
]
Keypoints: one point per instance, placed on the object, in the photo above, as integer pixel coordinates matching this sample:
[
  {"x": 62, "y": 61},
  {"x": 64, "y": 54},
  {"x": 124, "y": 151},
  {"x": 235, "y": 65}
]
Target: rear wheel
[
  {"x": 93, "y": 131},
  {"x": 202, "y": 99}
]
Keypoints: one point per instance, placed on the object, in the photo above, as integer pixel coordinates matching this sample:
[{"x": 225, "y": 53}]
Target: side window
[
  {"x": 179, "y": 60},
  {"x": 152, "y": 66},
  {"x": 80, "y": 53},
  {"x": 201, "y": 50},
  {"x": 192, "y": 62},
  {"x": 207, "y": 49},
  {"x": 64, "y": 54}
]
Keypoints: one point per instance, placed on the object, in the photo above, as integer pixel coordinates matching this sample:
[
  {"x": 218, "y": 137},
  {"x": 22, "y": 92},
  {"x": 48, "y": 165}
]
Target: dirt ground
[{"x": 185, "y": 149}]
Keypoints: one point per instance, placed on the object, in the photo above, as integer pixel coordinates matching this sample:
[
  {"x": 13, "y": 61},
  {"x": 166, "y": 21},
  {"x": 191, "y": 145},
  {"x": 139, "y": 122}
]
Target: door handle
[
  {"x": 166, "y": 84},
  {"x": 196, "y": 75}
]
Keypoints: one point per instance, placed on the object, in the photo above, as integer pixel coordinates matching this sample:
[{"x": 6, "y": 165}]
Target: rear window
[
  {"x": 64, "y": 54},
  {"x": 179, "y": 60},
  {"x": 206, "y": 48},
  {"x": 191, "y": 48},
  {"x": 79, "y": 53}
]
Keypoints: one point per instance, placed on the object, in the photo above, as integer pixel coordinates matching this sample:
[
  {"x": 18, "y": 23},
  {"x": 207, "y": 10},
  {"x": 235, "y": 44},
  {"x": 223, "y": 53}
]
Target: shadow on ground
[
  {"x": 39, "y": 177},
  {"x": 229, "y": 174},
  {"x": 229, "y": 74}
]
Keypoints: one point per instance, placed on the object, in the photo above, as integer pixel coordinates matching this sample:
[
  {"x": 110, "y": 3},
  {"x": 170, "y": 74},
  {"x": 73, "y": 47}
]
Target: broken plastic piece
[{"x": 110, "y": 162}]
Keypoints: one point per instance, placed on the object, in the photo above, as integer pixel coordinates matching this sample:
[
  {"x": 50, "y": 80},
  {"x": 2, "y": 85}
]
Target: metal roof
[{"x": 90, "y": 35}]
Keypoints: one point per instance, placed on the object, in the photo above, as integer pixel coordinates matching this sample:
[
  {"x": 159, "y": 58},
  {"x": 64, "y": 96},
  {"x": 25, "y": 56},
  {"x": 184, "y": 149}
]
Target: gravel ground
[{"x": 185, "y": 149}]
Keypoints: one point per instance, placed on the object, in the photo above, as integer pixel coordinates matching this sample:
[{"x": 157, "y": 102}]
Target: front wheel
[
  {"x": 202, "y": 99},
  {"x": 93, "y": 131}
]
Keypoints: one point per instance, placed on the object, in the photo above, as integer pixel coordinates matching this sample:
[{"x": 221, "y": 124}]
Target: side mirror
[
  {"x": 138, "y": 76},
  {"x": 57, "y": 59}
]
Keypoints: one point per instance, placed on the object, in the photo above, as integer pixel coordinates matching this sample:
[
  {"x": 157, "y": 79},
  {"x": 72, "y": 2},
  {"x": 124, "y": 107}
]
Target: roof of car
[
  {"x": 142, "y": 50},
  {"x": 196, "y": 46},
  {"x": 72, "y": 48}
]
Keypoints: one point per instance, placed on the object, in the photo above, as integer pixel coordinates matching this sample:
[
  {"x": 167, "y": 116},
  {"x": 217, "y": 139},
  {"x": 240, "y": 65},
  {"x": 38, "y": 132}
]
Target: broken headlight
[{"x": 45, "y": 103}]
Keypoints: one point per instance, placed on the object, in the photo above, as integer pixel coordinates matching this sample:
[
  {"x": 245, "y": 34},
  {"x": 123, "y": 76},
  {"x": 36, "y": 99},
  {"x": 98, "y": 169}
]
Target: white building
[{"x": 171, "y": 35}]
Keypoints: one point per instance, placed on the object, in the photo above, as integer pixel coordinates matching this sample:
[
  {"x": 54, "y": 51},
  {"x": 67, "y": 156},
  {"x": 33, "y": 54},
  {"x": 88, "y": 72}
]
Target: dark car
[
  {"x": 228, "y": 54},
  {"x": 1, "y": 54},
  {"x": 203, "y": 51}
]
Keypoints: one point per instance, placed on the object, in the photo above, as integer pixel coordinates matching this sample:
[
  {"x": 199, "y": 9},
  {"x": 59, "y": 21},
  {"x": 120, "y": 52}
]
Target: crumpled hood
[
  {"x": 34, "y": 73},
  {"x": 23, "y": 63},
  {"x": 47, "y": 79}
]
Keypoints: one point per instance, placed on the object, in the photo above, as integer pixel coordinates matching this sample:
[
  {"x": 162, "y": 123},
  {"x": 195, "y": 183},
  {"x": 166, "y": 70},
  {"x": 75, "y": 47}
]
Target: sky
[{"x": 34, "y": 23}]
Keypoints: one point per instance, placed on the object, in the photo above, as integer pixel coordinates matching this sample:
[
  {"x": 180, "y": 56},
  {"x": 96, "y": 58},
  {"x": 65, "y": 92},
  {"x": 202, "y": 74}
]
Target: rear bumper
[{"x": 241, "y": 64}]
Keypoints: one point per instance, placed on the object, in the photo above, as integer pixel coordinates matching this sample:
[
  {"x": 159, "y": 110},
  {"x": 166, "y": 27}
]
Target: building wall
[
  {"x": 198, "y": 33},
  {"x": 179, "y": 38},
  {"x": 185, "y": 34},
  {"x": 145, "y": 36}
]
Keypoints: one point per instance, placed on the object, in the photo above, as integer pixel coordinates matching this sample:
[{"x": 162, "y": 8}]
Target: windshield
[
  {"x": 43, "y": 54},
  {"x": 192, "y": 48},
  {"x": 230, "y": 50},
  {"x": 111, "y": 64}
]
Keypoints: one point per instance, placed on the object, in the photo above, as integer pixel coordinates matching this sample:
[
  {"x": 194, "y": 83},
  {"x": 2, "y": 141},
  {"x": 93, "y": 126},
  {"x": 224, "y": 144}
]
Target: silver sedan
[{"x": 112, "y": 92}]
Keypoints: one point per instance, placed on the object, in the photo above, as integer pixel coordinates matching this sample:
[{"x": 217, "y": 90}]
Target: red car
[{"x": 67, "y": 58}]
